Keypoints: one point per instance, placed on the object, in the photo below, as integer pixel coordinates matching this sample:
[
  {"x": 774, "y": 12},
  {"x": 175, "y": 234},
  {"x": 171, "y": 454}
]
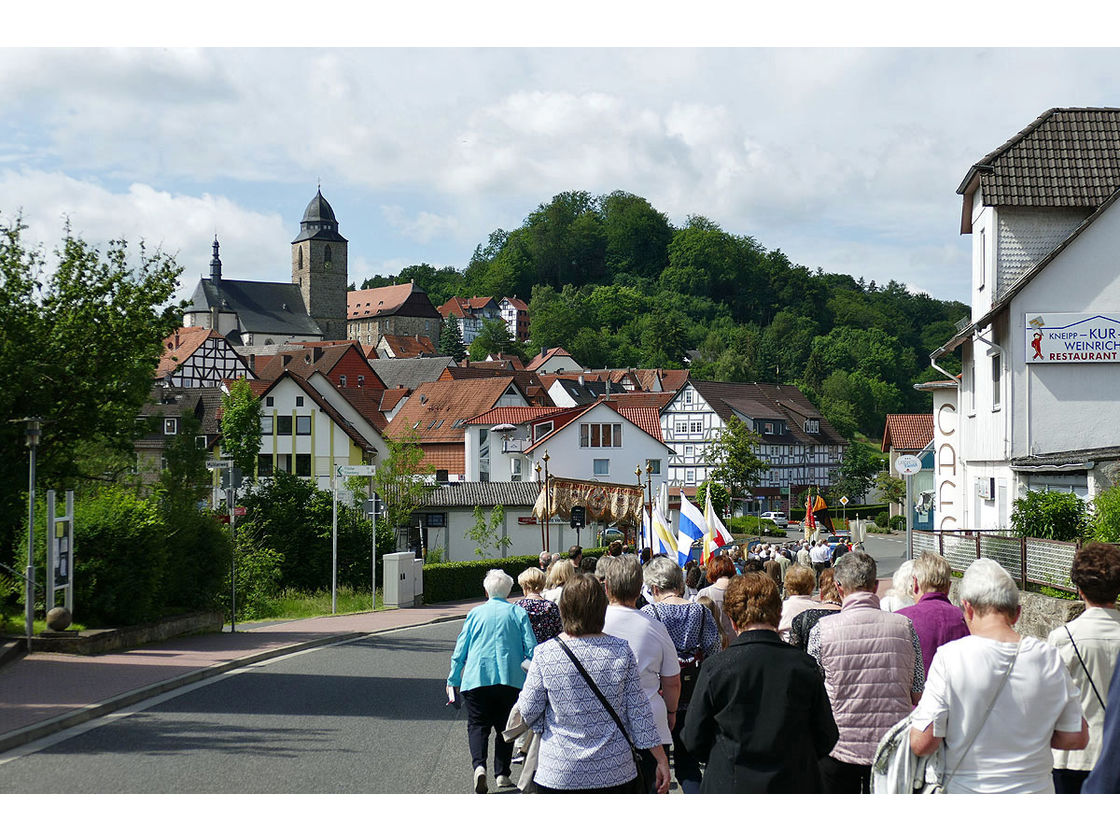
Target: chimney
[{"x": 176, "y": 339}]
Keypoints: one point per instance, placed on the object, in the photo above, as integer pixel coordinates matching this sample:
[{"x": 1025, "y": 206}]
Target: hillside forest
[{"x": 611, "y": 280}]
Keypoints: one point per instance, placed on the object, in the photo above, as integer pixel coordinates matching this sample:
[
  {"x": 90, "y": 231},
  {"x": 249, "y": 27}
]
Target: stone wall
[
  {"x": 88, "y": 642},
  {"x": 1041, "y": 613}
]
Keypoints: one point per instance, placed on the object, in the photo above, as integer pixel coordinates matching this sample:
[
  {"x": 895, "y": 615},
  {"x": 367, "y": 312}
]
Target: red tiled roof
[
  {"x": 907, "y": 431},
  {"x": 513, "y": 414},
  {"x": 644, "y": 417},
  {"x": 369, "y": 303},
  {"x": 545, "y": 355},
  {"x": 445, "y": 456},
  {"x": 453, "y": 306},
  {"x": 310, "y": 357},
  {"x": 634, "y": 399},
  {"x": 367, "y": 404},
  {"x": 517, "y": 303},
  {"x": 434, "y": 407},
  {"x": 391, "y": 396},
  {"x": 180, "y": 345},
  {"x": 408, "y": 346},
  {"x": 673, "y": 380}
]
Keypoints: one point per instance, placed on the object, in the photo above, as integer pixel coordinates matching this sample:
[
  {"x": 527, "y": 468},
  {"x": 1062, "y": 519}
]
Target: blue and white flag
[{"x": 691, "y": 528}]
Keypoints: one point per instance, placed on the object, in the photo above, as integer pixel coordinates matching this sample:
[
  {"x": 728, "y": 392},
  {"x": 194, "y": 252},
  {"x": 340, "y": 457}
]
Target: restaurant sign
[{"x": 1065, "y": 337}]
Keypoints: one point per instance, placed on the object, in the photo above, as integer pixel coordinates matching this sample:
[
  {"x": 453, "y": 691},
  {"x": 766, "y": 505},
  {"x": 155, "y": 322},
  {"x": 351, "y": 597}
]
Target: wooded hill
[{"x": 612, "y": 281}]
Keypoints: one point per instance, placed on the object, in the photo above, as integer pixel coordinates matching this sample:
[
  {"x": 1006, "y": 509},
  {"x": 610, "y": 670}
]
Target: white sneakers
[
  {"x": 504, "y": 782},
  {"x": 480, "y": 780}
]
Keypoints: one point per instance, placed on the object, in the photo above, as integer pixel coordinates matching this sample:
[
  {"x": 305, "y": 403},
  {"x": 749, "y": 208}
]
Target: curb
[{"x": 34, "y": 731}]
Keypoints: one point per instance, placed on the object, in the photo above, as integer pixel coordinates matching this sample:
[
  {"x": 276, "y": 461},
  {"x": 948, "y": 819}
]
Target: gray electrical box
[{"x": 403, "y": 582}]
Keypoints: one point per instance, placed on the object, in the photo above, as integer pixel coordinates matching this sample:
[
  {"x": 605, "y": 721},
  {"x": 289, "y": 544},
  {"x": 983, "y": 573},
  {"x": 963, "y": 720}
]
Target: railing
[
  {"x": 1028, "y": 560},
  {"x": 514, "y": 445}
]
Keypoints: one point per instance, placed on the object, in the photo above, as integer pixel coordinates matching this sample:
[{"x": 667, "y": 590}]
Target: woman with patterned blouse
[
  {"x": 543, "y": 614},
  {"x": 695, "y": 636},
  {"x": 582, "y": 749}
]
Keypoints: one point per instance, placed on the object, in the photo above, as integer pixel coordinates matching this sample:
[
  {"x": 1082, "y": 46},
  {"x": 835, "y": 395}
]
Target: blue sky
[{"x": 843, "y": 157}]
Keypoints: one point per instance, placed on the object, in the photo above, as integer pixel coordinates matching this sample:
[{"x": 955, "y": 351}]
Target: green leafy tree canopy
[
  {"x": 738, "y": 467},
  {"x": 241, "y": 426}
]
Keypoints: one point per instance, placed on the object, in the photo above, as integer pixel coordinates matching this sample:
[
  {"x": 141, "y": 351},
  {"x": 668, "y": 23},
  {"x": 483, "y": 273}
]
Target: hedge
[{"x": 462, "y": 580}]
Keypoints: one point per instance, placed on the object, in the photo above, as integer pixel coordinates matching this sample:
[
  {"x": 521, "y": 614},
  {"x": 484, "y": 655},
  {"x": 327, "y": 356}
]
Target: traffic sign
[
  {"x": 212, "y": 464},
  {"x": 239, "y": 511},
  {"x": 843, "y": 500},
  {"x": 908, "y": 464},
  {"x": 357, "y": 469}
]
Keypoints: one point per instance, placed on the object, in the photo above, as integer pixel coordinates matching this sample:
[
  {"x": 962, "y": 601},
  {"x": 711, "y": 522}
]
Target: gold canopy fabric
[{"x": 604, "y": 502}]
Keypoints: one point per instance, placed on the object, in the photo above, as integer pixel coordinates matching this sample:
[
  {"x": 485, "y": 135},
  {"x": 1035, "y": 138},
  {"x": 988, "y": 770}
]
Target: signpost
[
  {"x": 578, "y": 521},
  {"x": 344, "y": 471},
  {"x": 908, "y": 465},
  {"x": 221, "y": 464}
]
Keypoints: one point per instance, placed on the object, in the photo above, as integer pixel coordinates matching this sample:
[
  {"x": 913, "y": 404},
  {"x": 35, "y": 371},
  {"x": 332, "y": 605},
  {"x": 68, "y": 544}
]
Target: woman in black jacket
[{"x": 759, "y": 715}]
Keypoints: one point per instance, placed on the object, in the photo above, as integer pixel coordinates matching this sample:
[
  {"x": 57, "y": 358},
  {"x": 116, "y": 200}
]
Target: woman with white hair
[
  {"x": 901, "y": 593},
  {"x": 998, "y": 700},
  {"x": 486, "y": 667}
]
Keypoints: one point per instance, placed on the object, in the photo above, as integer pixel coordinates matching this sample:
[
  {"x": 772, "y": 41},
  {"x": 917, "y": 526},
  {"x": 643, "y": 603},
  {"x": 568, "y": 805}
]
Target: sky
[{"x": 426, "y": 138}]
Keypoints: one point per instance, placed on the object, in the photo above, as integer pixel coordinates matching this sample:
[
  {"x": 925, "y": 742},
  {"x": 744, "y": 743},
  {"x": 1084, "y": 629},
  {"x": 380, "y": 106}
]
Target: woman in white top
[
  {"x": 1034, "y": 705},
  {"x": 559, "y": 573}
]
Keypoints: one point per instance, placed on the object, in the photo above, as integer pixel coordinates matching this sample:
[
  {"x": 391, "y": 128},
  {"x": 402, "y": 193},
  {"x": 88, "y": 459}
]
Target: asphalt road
[
  {"x": 888, "y": 550},
  {"x": 367, "y": 716}
]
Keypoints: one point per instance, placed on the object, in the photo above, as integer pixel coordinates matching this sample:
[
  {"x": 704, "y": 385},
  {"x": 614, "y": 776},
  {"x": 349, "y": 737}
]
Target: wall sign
[{"x": 1072, "y": 337}]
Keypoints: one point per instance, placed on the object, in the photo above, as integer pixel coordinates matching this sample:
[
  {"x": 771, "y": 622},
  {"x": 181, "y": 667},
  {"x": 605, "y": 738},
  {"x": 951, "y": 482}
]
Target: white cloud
[
  {"x": 185, "y": 225},
  {"x": 421, "y": 227}
]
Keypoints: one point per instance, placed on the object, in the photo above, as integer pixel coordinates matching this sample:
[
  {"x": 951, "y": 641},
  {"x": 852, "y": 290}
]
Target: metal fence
[{"x": 1028, "y": 560}]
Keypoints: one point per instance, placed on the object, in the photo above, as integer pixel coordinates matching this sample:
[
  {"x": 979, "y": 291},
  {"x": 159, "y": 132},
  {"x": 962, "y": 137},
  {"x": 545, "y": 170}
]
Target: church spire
[{"x": 216, "y": 263}]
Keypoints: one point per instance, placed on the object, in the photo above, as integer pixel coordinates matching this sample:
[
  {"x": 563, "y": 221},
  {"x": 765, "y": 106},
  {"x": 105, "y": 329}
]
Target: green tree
[
  {"x": 493, "y": 338},
  {"x": 485, "y": 533},
  {"x": 858, "y": 468},
  {"x": 892, "y": 488},
  {"x": 241, "y": 426},
  {"x": 451, "y": 340},
  {"x": 1049, "y": 515},
  {"x": 1106, "y": 515},
  {"x": 738, "y": 467},
  {"x": 78, "y": 348},
  {"x": 721, "y": 499},
  {"x": 400, "y": 481},
  {"x": 186, "y": 479}
]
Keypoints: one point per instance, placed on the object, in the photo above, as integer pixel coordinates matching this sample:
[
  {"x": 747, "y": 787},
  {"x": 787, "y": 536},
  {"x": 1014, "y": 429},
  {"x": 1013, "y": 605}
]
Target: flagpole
[
  {"x": 641, "y": 535},
  {"x": 538, "y": 469},
  {"x": 649, "y": 489}
]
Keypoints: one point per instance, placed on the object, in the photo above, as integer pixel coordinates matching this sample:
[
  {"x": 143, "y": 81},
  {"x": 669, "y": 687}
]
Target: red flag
[
  {"x": 810, "y": 520},
  {"x": 820, "y": 511}
]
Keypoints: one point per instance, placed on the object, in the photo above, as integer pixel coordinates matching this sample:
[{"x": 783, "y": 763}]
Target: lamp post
[
  {"x": 32, "y": 431},
  {"x": 649, "y": 506},
  {"x": 547, "y": 504},
  {"x": 537, "y": 467},
  {"x": 641, "y": 535}
]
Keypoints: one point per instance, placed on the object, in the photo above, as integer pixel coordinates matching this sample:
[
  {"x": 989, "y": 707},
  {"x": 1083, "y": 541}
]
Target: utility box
[{"x": 403, "y": 581}]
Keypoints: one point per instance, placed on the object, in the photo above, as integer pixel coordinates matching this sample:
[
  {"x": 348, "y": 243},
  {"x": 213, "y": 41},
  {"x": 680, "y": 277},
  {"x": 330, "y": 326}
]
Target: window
[
  {"x": 299, "y": 258},
  {"x": 983, "y": 257},
  {"x": 264, "y": 465},
  {"x": 970, "y": 385},
  {"x": 327, "y": 257},
  {"x": 688, "y": 395},
  {"x": 342, "y": 381},
  {"x": 266, "y": 424},
  {"x": 303, "y": 424},
  {"x": 436, "y": 520},
  {"x": 200, "y": 442},
  {"x": 655, "y": 466},
  {"x": 361, "y": 381},
  {"x": 689, "y": 449},
  {"x": 602, "y": 466},
  {"x": 768, "y": 428},
  {"x": 268, "y": 400},
  {"x": 303, "y": 465},
  {"x": 600, "y": 435},
  {"x": 695, "y": 427},
  {"x": 813, "y": 427},
  {"x": 284, "y": 424},
  {"x": 996, "y": 371},
  {"x": 515, "y": 469},
  {"x": 171, "y": 425},
  {"x": 299, "y": 402},
  {"x": 283, "y": 463},
  {"x": 690, "y": 476},
  {"x": 680, "y": 427},
  {"x": 483, "y": 454}
]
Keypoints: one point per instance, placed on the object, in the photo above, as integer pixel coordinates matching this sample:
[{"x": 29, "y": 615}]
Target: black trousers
[
  {"x": 841, "y": 777},
  {"x": 488, "y": 708},
  {"x": 1069, "y": 781}
]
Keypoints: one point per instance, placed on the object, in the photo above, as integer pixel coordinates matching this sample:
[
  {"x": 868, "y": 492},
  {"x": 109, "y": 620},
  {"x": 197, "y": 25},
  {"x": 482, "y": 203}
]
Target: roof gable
[
  {"x": 907, "y": 431},
  {"x": 437, "y": 411}
]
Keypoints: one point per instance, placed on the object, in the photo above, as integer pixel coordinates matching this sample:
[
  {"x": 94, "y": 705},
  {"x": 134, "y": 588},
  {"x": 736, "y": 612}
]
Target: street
[{"x": 362, "y": 717}]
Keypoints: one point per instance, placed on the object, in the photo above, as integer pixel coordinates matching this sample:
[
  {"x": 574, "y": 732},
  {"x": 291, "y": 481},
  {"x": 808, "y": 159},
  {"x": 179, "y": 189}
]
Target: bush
[
  {"x": 198, "y": 551},
  {"x": 1106, "y": 515},
  {"x": 120, "y": 558},
  {"x": 463, "y": 580},
  {"x": 258, "y": 578},
  {"x": 872, "y": 528},
  {"x": 897, "y": 522},
  {"x": 749, "y": 525},
  {"x": 882, "y": 520},
  {"x": 1049, "y": 515}
]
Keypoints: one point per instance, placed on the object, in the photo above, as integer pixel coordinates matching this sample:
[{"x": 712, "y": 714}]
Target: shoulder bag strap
[
  {"x": 595, "y": 688},
  {"x": 1092, "y": 684},
  {"x": 984, "y": 720}
]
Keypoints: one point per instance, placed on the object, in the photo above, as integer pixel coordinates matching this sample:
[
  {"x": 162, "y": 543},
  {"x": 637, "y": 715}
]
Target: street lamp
[
  {"x": 32, "y": 433},
  {"x": 547, "y": 504},
  {"x": 641, "y": 536}
]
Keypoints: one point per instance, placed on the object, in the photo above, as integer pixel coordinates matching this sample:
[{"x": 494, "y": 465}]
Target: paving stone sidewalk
[{"x": 46, "y": 692}]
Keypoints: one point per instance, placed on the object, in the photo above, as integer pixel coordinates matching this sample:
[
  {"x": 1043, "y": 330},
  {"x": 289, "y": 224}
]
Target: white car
[{"x": 777, "y": 517}]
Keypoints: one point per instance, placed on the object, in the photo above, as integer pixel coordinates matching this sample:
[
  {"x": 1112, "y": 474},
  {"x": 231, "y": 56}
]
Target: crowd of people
[{"x": 780, "y": 669}]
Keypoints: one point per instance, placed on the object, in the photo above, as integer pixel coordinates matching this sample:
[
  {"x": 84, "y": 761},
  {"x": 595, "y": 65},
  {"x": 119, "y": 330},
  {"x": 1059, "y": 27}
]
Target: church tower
[{"x": 319, "y": 268}]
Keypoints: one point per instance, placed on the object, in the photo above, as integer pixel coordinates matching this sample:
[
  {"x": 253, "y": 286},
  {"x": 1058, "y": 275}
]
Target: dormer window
[
  {"x": 768, "y": 428},
  {"x": 171, "y": 426},
  {"x": 342, "y": 381},
  {"x": 813, "y": 427}
]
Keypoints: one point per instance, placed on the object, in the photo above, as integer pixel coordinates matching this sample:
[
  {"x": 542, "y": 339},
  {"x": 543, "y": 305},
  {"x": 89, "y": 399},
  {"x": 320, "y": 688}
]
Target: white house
[
  {"x": 553, "y": 360},
  {"x": 1041, "y": 352},
  {"x": 601, "y": 442},
  {"x": 800, "y": 446},
  {"x": 448, "y": 513}
]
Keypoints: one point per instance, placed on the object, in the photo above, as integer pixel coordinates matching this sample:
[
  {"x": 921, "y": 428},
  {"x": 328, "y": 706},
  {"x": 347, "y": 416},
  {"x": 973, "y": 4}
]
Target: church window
[
  {"x": 300, "y": 258},
  {"x": 327, "y": 257}
]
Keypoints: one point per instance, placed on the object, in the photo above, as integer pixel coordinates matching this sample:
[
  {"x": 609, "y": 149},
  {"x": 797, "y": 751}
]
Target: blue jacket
[
  {"x": 496, "y": 637},
  {"x": 1105, "y": 777}
]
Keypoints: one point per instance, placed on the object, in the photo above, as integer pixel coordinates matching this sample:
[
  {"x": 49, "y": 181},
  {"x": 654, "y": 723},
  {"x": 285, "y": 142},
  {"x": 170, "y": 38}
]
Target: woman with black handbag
[
  {"x": 583, "y": 697},
  {"x": 696, "y": 637}
]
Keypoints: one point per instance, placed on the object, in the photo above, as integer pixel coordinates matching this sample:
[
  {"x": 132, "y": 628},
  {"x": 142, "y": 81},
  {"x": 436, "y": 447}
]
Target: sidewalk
[{"x": 44, "y": 693}]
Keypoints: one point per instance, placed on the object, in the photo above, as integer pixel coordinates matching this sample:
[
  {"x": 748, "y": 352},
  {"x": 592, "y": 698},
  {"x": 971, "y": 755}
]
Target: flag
[
  {"x": 820, "y": 512},
  {"x": 691, "y": 528},
  {"x": 659, "y": 537},
  {"x": 810, "y": 520},
  {"x": 716, "y": 534}
]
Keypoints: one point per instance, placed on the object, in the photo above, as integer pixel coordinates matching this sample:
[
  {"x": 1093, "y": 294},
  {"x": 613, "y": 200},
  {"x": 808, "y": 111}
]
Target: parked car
[
  {"x": 839, "y": 536},
  {"x": 777, "y": 517}
]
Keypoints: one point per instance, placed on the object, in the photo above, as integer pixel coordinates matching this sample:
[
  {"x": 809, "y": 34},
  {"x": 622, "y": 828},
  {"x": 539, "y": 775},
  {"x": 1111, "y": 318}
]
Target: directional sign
[
  {"x": 908, "y": 465},
  {"x": 218, "y": 465},
  {"x": 358, "y": 469}
]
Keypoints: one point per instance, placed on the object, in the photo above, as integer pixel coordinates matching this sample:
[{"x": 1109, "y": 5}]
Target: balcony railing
[{"x": 514, "y": 445}]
